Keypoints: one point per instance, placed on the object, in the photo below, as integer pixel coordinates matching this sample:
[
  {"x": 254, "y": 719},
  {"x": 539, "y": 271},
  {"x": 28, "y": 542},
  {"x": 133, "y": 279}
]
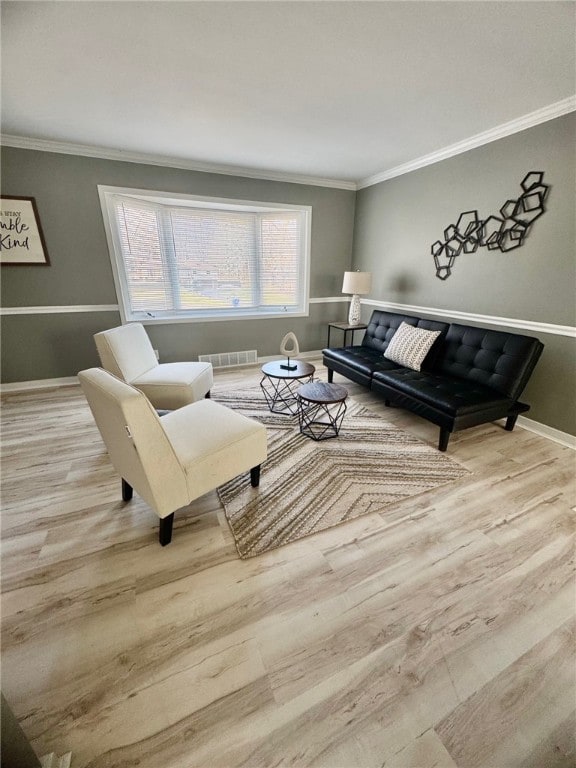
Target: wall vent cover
[{"x": 230, "y": 359}]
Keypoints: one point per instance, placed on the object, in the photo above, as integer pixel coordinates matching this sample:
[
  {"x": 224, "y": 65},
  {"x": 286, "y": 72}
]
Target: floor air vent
[{"x": 229, "y": 359}]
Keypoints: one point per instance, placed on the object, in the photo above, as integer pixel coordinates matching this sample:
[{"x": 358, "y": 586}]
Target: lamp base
[{"x": 354, "y": 313}]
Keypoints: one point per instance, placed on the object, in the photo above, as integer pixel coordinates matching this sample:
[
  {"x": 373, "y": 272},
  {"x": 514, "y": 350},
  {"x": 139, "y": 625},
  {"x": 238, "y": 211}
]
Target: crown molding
[
  {"x": 550, "y": 112},
  {"x": 103, "y": 153}
]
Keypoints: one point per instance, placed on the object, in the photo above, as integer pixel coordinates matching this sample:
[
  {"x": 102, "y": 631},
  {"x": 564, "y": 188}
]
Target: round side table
[
  {"x": 279, "y": 384},
  {"x": 321, "y": 409}
]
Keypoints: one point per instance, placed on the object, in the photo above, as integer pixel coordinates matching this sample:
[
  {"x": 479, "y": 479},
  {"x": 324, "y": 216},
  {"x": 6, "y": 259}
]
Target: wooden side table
[
  {"x": 321, "y": 409},
  {"x": 346, "y": 327}
]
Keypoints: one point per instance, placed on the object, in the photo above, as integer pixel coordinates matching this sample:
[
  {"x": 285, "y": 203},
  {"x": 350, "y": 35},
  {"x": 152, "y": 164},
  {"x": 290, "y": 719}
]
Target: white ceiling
[{"x": 338, "y": 90}]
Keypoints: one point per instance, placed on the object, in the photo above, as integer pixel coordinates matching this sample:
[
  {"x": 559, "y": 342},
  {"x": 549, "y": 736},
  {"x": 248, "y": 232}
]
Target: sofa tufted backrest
[
  {"x": 383, "y": 325},
  {"x": 502, "y": 361}
]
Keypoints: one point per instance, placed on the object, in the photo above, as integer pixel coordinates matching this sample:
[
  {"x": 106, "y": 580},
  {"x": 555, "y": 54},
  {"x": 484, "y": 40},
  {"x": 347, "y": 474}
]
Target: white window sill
[{"x": 211, "y": 318}]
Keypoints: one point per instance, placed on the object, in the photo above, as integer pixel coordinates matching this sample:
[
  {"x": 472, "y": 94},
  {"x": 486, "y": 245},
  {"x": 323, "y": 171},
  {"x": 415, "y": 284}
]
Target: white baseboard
[
  {"x": 9, "y": 388},
  {"x": 54, "y": 761},
  {"x": 543, "y": 430},
  {"x": 27, "y": 386},
  {"x": 301, "y": 356}
]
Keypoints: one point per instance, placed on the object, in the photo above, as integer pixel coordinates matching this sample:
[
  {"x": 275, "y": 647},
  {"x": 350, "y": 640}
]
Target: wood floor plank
[
  {"x": 425, "y": 751},
  {"x": 505, "y": 721},
  {"x": 438, "y": 633}
]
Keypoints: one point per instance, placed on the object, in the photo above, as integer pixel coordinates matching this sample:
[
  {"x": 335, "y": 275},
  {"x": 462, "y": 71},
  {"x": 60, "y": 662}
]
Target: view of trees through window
[{"x": 192, "y": 258}]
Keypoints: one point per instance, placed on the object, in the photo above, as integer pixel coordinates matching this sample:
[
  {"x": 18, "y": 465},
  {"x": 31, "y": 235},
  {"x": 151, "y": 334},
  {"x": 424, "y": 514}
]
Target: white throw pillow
[{"x": 409, "y": 346}]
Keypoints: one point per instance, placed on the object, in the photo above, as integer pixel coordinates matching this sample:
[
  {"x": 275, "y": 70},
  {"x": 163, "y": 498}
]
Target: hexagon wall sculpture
[{"x": 504, "y": 234}]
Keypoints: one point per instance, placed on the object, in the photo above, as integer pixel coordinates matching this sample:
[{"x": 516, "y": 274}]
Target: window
[{"x": 178, "y": 257}]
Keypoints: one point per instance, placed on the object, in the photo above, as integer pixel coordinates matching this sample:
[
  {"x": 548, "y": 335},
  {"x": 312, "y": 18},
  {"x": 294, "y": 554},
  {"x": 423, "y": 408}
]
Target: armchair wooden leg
[
  {"x": 165, "y": 534},
  {"x": 510, "y": 422},
  {"x": 208, "y": 395},
  {"x": 330, "y": 375},
  {"x": 444, "y": 437},
  {"x": 127, "y": 491},
  {"x": 255, "y": 476}
]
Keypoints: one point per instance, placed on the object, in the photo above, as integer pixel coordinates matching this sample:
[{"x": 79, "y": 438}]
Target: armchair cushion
[
  {"x": 173, "y": 385},
  {"x": 211, "y": 441}
]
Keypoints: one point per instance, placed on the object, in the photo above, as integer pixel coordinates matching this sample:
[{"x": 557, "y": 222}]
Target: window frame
[{"x": 107, "y": 194}]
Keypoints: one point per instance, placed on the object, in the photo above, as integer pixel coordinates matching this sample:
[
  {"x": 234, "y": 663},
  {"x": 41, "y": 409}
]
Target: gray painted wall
[
  {"x": 398, "y": 220},
  {"x": 65, "y": 188},
  {"x": 394, "y": 223}
]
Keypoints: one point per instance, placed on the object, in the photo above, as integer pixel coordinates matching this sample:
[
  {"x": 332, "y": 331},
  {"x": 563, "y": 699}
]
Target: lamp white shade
[{"x": 358, "y": 283}]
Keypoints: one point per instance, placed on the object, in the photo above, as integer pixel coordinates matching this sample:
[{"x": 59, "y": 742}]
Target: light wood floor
[{"x": 443, "y": 639}]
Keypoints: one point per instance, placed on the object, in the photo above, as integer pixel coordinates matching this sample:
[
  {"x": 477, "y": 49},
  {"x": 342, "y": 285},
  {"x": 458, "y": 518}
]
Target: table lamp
[{"x": 358, "y": 284}]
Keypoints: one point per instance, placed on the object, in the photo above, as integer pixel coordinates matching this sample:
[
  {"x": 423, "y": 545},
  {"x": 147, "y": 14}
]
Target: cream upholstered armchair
[
  {"x": 126, "y": 352},
  {"x": 171, "y": 460}
]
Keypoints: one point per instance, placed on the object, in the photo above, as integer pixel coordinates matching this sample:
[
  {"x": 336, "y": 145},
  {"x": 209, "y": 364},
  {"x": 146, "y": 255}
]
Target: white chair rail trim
[
  {"x": 506, "y": 322},
  {"x": 59, "y": 310}
]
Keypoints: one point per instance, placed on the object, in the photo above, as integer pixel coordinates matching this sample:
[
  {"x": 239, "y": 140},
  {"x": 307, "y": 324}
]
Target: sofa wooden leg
[
  {"x": 510, "y": 422},
  {"x": 330, "y": 375},
  {"x": 444, "y": 437},
  {"x": 165, "y": 534},
  {"x": 127, "y": 491},
  {"x": 387, "y": 403},
  {"x": 208, "y": 395},
  {"x": 255, "y": 476}
]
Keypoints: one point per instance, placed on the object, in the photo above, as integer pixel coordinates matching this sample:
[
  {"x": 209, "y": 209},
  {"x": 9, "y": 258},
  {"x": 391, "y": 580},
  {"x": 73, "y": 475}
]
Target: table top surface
[
  {"x": 347, "y": 326},
  {"x": 275, "y": 370},
  {"x": 322, "y": 392}
]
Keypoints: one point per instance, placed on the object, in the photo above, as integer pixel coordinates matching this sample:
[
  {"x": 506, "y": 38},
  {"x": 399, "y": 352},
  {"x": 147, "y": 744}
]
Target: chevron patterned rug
[{"x": 307, "y": 486}]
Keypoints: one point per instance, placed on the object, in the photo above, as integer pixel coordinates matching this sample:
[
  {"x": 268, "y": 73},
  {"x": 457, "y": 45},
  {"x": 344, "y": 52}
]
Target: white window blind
[{"x": 187, "y": 258}]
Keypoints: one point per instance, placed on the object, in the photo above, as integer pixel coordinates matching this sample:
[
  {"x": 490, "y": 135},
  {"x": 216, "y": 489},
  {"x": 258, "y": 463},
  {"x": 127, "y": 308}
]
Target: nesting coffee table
[
  {"x": 279, "y": 385},
  {"x": 321, "y": 409}
]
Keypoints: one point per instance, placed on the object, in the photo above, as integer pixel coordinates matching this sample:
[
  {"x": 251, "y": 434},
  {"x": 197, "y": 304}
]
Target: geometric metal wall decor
[{"x": 504, "y": 233}]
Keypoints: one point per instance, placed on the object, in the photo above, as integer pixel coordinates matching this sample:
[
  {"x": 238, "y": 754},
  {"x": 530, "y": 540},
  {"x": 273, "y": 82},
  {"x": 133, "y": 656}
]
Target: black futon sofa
[{"x": 470, "y": 375}]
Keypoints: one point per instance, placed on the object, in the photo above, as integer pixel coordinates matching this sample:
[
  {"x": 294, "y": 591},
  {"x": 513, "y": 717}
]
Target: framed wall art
[{"x": 21, "y": 239}]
